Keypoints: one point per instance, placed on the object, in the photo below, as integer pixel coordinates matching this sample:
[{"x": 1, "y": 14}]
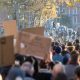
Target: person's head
[
  {"x": 63, "y": 47},
  {"x": 77, "y": 73},
  {"x": 53, "y": 49},
  {"x": 28, "y": 68},
  {"x": 52, "y": 44},
  {"x": 69, "y": 44},
  {"x": 29, "y": 59},
  {"x": 73, "y": 52},
  {"x": 61, "y": 76},
  {"x": 77, "y": 41},
  {"x": 64, "y": 53},
  {"x": 58, "y": 68},
  {"x": 65, "y": 60},
  {"x": 70, "y": 49},
  {"x": 19, "y": 58},
  {"x": 17, "y": 63},
  {"x": 42, "y": 64},
  {"x": 58, "y": 49},
  {"x": 56, "y": 44},
  {"x": 51, "y": 65},
  {"x": 74, "y": 59},
  {"x": 15, "y": 72},
  {"x": 35, "y": 64},
  {"x": 77, "y": 47}
]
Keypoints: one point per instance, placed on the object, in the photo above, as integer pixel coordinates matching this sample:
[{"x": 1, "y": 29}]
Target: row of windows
[
  {"x": 76, "y": 20},
  {"x": 74, "y": 12},
  {"x": 69, "y": 10}
]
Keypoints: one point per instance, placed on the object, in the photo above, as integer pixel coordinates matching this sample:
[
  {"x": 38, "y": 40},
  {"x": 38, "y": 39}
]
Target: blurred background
[{"x": 60, "y": 18}]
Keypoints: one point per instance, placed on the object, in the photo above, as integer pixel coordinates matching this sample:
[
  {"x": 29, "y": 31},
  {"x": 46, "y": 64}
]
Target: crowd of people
[{"x": 63, "y": 65}]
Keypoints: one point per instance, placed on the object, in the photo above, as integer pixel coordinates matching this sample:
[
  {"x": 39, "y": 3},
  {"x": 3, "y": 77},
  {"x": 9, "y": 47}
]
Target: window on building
[
  {"x": 76, "y": 10},
  {"x": 78, "y": 19},
  {"x": 73, "y": 11},
  {"x": 69, "y": 11},
  {"x": 74, "y": 20}
]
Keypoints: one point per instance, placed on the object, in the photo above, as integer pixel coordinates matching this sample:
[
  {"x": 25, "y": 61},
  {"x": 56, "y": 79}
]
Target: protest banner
[
  {"x": 32, "y": 44},
  {"x": 6, "y": 51},
  {"x": 10, "y": 27},
  {"x": 35, "y": 30}
]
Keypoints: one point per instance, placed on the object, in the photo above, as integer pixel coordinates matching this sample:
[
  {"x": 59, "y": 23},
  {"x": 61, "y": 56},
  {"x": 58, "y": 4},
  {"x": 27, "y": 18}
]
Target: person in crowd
[
  {"x": 58, "y": 68},
  {"x": 36, "y": 66},
  {"x": 65, "y": 60},
  {"x": 79, "y": 59},
  {"x": 23, "y": 69},
  {"x": 77, "y": 45},
  {"x": 69, "y": 44},
  {"x": 69, "y": 68},
  {"x": 57, "y": 56},
  {"x": 4, "y": 71},
  {"x": 66, "y": 57},
  {"x": 56, "y": 43},
  {"x": 14, "y": 72},
  {"x": 52, "y": 44},
  {"x": 65, "y": 54},
  {"x": 28, "y": 68},
  {"x": 53, "y": 50},
  {"x": 76, "y": 41},
  {"x": 62, "y": 67},
  {"x": 77, "y": 73},
  {"x": 19, "y": 58},
  {"x": 51, "y": 65},
  {"x": 77, "y": 48},
  {"x": 70, "y": 47},
  {"x": 61, "y": 76},
  {"x": 44, "y": 73},
  {"x": 63, "y": 49},
  {"x": 74, "y": 52}
]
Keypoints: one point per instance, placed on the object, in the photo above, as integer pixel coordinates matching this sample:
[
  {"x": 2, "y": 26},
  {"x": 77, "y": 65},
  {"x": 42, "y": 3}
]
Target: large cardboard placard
[
  {"x": 32, "y": 44},
  {"x": 10, "y": 27},
  {"x": 35, "y": 30},
  {"x": 6, "y": 51}
]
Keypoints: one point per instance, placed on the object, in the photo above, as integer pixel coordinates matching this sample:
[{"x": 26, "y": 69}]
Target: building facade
[{"x": 72, "y": 12}]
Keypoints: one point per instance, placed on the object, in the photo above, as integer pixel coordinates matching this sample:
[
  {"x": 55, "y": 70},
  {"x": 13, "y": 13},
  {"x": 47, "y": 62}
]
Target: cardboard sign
[
  {"x": 33, "y": 45},
  {"x": 36, "y": 30},
  {"x": 6, "y": 51},
  {"x": 10, "y": 27}
]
